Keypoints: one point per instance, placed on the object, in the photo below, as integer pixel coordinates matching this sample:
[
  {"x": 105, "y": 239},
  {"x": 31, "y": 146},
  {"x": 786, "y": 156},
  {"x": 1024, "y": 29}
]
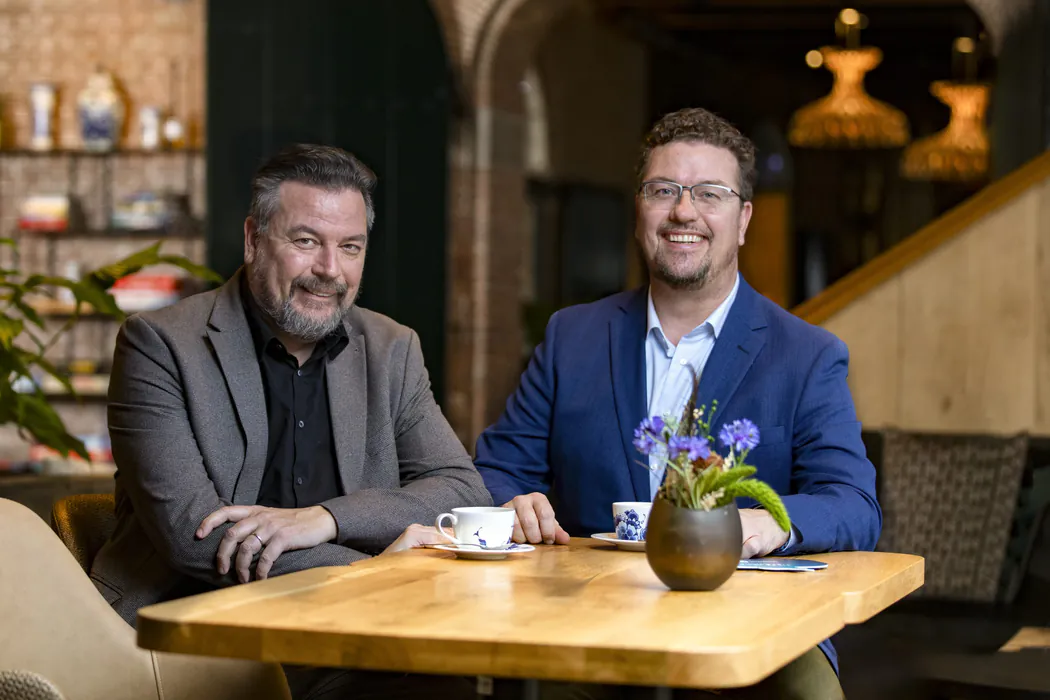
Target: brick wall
[{"x": 62, "y": 41}]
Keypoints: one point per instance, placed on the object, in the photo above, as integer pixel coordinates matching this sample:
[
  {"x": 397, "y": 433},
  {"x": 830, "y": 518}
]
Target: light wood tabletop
[{"x": 583, "y": 612}]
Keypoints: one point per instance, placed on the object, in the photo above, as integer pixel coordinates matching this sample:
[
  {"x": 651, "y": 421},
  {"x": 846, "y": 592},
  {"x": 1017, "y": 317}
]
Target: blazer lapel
[
  {"x": 232, "y": 339},
  {"x": 735, "y": 350},
  {"x": 627, "y": 357},
  {"x": 348, "y": 406}
]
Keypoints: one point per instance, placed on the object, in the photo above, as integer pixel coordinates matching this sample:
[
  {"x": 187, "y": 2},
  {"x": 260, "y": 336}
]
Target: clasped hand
[
  {"x": 274, "y": 531},
  {"x": 271, "y": 531}
]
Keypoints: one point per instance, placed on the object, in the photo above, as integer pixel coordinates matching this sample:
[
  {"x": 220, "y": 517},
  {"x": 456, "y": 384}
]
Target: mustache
[{"x": 315, "y": 285}]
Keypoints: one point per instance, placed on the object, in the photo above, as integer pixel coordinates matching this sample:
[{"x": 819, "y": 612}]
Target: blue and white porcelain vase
[{"x": 101, "y": 112}]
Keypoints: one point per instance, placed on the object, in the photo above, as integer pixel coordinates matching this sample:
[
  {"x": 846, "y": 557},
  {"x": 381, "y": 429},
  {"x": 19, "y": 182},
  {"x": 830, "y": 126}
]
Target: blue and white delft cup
[{"x": 631, "y": 519}]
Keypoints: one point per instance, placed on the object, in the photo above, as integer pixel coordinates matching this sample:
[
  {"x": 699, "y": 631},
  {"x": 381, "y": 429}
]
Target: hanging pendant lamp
[
  {"x": 959, "y": 152},
  {"x": 848, "y": 117}
]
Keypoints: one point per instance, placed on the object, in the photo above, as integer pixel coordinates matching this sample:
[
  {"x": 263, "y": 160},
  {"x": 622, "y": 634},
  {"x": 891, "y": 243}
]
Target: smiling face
[
  {"x": 686, "y": 248},
  {"x": 305, "y": 269}
]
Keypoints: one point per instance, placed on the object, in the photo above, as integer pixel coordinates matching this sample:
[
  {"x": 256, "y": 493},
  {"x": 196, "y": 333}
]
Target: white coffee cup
[
  {"x": 630, "y": 518},
  {"x": 488, "y": 528}
]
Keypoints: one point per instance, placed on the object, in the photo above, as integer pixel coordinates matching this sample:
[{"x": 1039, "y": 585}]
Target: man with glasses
[{"x": 566, "y": 434}]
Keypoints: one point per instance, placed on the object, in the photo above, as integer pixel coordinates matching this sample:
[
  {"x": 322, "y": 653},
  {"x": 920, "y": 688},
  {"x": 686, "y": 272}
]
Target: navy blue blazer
[{"x": 567, "y": 430}]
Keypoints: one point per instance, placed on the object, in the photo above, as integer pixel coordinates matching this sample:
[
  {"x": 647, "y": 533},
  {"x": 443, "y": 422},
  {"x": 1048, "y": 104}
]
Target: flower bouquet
[{"x": 694, "y": 537}]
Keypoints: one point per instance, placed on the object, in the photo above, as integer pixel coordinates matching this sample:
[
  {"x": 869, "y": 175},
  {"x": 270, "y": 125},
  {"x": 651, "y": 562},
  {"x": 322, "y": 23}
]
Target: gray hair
[{"x": 326, "y": 167}]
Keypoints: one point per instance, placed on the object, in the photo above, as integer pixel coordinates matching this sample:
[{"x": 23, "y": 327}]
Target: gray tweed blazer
[{"x": 188, "y": 424}]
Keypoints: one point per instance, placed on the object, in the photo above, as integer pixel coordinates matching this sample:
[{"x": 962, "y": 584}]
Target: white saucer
[
  {"x": 470, "y": 551},
  {"x": 628, "y": 545}
]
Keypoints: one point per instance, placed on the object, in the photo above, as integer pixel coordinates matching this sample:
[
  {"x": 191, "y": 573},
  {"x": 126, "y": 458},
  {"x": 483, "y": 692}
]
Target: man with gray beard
[{"x": 271, "y": 425}]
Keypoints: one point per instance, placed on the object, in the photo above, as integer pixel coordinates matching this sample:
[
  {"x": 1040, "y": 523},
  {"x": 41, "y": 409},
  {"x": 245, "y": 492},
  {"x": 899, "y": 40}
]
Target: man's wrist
[{"x": 330, "y": 522}]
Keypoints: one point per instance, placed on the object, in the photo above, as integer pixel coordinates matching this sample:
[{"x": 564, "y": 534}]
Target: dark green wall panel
[{"x": 370, "y": 77}]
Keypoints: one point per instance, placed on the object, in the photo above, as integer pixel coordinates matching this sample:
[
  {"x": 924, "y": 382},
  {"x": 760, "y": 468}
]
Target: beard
[
  {"x": 676, "y": 279},
  {"x": 664, "y": 268},
  {"x": 291, "y": 320}
]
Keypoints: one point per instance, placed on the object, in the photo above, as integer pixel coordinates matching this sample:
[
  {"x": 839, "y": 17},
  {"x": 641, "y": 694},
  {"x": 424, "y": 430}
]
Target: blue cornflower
[
  {"x": 643, "y": 441},
  {"x": 694, "y": 447},
  {"x": 741, "y": 435},
  {"x": 647, "y": 434}
]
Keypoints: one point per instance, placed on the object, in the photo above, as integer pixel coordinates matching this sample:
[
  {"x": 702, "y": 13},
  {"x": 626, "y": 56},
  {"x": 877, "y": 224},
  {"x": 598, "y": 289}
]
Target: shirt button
[
  {"x": 299, "y": 481},
  {"x": 301, "y": 424},
  {"x": 299, "y": 372},
  {"x": 683, "y": 362}
]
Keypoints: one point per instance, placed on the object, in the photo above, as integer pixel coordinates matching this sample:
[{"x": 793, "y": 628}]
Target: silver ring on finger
[{"x": 256, "y": 536}]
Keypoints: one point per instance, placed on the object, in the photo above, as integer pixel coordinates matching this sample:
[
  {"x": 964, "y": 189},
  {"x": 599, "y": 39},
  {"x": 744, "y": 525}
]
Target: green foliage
[
  {"x": 763, "y": 494},
  {"x": 696, "y": 476},
  {"x": 22, "y": 326}
]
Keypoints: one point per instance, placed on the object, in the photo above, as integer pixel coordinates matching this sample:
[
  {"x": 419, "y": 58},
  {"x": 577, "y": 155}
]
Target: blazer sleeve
[
  {"x": 435, "y": 471},
  {"x": 833, "y": 504},
  {"x": 513, "y": 454},
  {"x": 161, "y": 468}
]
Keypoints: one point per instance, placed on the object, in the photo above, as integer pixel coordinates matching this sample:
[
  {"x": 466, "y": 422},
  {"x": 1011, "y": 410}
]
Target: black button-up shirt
[{"x": 301, "y": 465}]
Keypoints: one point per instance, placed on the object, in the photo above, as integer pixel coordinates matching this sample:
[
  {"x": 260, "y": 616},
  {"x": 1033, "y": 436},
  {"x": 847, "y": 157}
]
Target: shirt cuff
[{"x": 794, "y": 537}]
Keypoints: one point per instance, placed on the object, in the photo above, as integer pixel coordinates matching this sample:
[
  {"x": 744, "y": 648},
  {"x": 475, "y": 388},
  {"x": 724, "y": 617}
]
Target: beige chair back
[{"x": 57, "y": 625}]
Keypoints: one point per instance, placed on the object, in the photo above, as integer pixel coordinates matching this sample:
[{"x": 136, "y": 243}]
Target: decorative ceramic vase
[
  {"x": 173, "y": 132},
  {"x": 101, "y": 112},
  {"x": 693, "y": 550},
  {"x": 149, "y": 128},
  {"x": 42, "y": 106}
]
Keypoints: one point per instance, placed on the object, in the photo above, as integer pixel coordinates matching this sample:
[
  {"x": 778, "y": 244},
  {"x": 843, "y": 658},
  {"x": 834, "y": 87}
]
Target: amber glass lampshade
[
  {"x": 849, "y": 117},
  {"x": 958, "y": 153}
]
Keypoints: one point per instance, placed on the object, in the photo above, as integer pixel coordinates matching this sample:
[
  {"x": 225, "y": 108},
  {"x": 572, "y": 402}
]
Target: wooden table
[{"x": 583, "y": 612}]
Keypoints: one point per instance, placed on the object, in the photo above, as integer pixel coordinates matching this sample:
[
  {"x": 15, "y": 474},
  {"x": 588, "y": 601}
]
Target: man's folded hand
[{"x": 268, "y": 532}]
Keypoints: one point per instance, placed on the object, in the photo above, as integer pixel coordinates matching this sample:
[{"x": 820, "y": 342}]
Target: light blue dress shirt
[
  {"x": 669, "y": 372},
  {"x": 669, "y": 368}
]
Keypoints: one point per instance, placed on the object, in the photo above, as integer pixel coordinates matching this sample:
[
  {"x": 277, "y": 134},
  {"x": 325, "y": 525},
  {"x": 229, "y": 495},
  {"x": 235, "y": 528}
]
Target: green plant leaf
[
  {"x": 732, "y": 476},
  {"x": 106, "y": 275},
  {"x": 9, "y": 329},
  {"x": 39, "y": 418},
  {"x": 44, "y": 364},
  {"x": 34, "y": 281},
  {"x": 200, "y": 271},
  {"x": 11, "y": 363},
  {"x": 30, "y": 314},
  {"x": 766, "y": 497},
  {"x": 30, "y": 412}
]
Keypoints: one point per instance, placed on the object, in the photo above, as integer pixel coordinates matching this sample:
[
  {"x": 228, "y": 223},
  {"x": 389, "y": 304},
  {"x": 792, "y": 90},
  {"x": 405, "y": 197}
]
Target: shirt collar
[
  {"x": 264, "y": 337},
  {"x": 716, "y": 321}
]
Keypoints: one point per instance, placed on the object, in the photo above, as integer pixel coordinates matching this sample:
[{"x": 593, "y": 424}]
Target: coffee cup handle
[{"x": 441, "y": 530}]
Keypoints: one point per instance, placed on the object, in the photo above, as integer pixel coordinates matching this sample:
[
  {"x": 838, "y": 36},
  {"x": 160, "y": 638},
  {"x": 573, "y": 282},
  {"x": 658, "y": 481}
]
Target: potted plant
[
  {"x": 694, "y": 536},
  {"x": 24, "y": 344}
]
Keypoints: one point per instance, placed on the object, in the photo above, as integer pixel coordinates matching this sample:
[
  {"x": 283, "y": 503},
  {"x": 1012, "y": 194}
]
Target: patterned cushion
[
  {"x": 951, "y": 499},
  {"x": 26, "y": 685}
]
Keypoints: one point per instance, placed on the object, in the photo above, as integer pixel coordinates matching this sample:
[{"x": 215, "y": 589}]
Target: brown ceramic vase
[{"x": 693, "y": 550}]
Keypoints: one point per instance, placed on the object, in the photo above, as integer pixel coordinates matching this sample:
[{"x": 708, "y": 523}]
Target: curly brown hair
[{"x": 697, "y": 124}]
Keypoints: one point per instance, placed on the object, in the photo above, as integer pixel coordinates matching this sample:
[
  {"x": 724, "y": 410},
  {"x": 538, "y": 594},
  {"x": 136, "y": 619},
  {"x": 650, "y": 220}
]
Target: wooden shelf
[
  {"x": 80, "y": 153},
  {"x": 99, "y": 470},
  {"x": 55, "y": 307},
  {"x": 187, "y": 233},
  {"x": 92, "y": 387}
]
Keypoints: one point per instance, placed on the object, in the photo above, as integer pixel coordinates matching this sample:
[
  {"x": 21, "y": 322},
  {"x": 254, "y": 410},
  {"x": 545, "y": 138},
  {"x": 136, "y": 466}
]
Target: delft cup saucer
[
  {"x": 627, "y": 545},
  {"x": 473, "y": 551}
]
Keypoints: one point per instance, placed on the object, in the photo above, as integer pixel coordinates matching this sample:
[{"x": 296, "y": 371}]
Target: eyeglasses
[{"x": 706, "y": 197}]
